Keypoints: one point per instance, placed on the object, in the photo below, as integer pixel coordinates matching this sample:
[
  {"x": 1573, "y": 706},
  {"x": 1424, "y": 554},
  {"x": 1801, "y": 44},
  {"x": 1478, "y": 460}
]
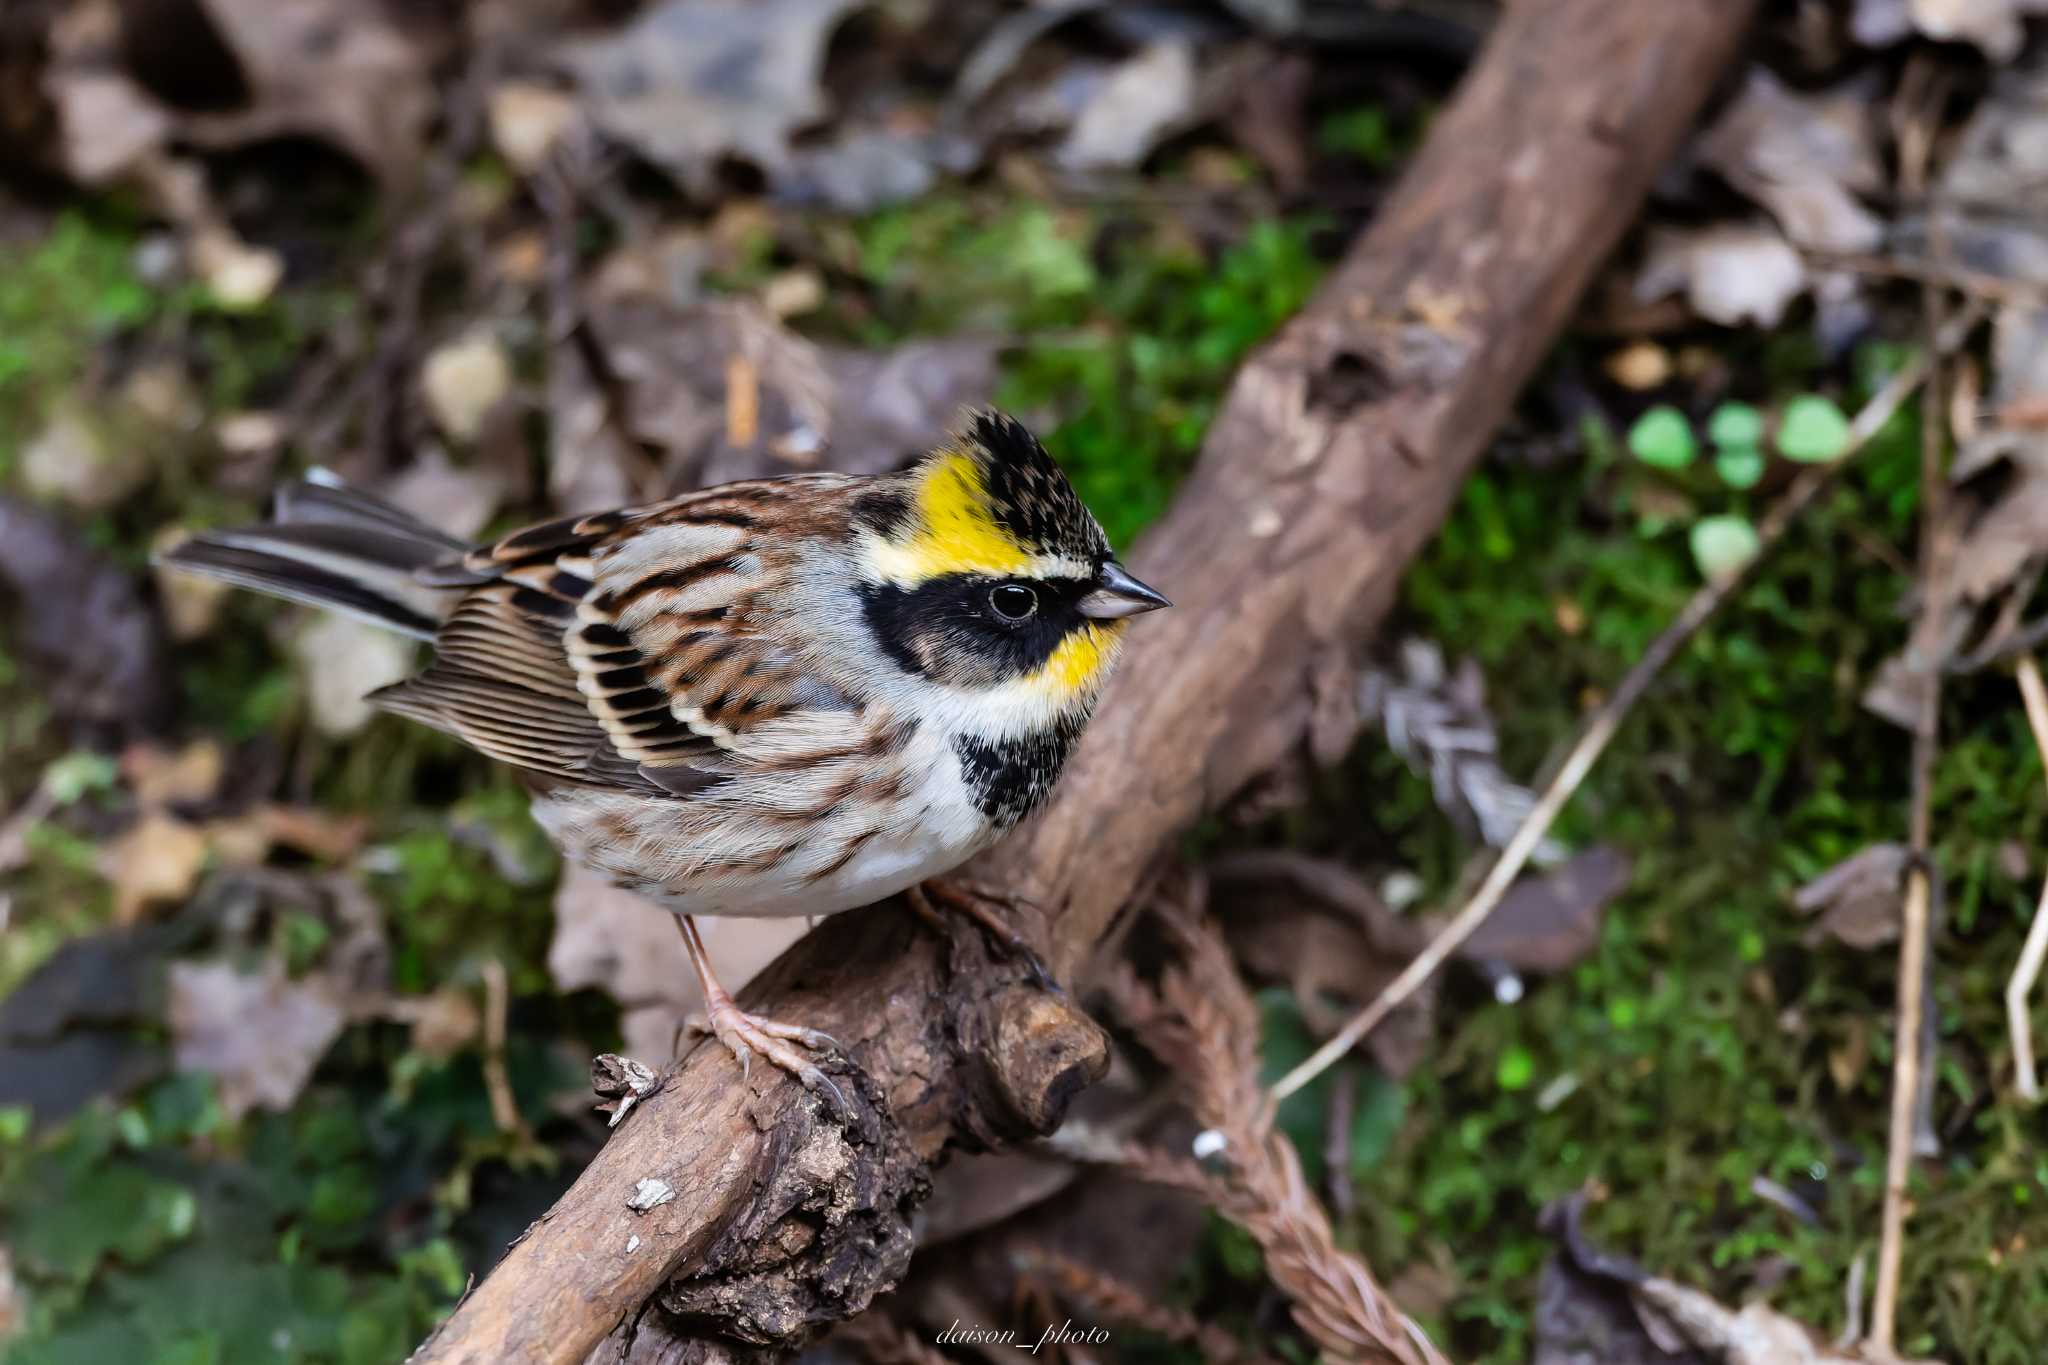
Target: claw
[
  {"x": 744, "y": 1035},
  {"x": 982, "y": 908}
]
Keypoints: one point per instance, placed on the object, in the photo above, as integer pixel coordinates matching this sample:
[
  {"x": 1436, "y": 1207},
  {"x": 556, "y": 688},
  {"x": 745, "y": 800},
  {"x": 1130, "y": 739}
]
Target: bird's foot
[
  {"x": 744, "y": 1035},
  {"x": 748, "y": 1035},
  {"x": 930, "y": 898}
]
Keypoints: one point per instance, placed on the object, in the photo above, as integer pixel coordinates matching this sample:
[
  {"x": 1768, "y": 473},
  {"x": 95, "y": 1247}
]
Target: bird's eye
[{"x": 1012, "y": 601}]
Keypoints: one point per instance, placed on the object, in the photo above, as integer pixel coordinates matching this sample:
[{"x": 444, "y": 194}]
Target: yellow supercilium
[{"x": 951, "y": 530}]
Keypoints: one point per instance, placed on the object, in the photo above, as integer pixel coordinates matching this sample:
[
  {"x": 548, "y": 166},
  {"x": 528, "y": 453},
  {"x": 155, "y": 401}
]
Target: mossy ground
[{"x": 1688, "y": 1053}]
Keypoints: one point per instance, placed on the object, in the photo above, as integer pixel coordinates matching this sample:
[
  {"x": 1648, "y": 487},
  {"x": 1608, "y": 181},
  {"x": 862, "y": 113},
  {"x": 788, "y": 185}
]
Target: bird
[{"x": 783, "y": 696}]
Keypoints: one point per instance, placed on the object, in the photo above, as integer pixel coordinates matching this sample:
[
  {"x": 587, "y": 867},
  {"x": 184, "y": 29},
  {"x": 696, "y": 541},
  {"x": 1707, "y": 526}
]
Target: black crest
[{"x": 1028, "y": 493}]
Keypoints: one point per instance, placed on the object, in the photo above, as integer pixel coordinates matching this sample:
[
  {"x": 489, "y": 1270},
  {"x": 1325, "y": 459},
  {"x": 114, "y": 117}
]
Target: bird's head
[{"x": 983, "y": 570}]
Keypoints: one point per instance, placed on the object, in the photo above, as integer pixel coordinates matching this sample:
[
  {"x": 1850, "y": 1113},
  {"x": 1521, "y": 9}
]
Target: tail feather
[
  {"x": 322, "y": 499},
  {"x": 335, "y": 547}
]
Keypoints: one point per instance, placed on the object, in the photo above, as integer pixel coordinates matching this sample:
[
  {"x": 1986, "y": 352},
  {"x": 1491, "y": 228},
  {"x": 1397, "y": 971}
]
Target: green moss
[
  {"x": 1690, "y": 1052},
  {"x": 72, "y": 290},
  {"x": 1126, "y": 334}
]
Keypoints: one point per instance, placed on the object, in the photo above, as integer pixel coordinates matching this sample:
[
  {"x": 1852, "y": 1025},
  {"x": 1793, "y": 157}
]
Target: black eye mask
[{"x": 956, "y": 627}]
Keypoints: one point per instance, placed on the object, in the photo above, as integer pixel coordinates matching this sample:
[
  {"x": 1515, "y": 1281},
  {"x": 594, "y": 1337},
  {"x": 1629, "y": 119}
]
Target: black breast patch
[{"x": 1010, "y": 778}]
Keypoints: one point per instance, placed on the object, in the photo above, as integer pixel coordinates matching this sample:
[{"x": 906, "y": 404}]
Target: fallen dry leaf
[
  {"x": 1989, "y": 207},
  {"x": 810, "y": 405},
  {"x": 1671, "y": 1324},
  {"x": 629, "y": 948},
  {"x": 1551, "y": 920},
  {"x": 462, "y": 381},
  {"x": 341, "y": 661},
  {"x": 332, "y": 69},
  {"x": 1145, "y": 99},
  {"x": 78, "y": 1026},
  {"x": 793, "y": 293},
  {"x": 1996, "y": 27},
  {"x": 1859, "y": 899},
  {"x": 190, "y": 603},
  {"x": 1437, "y": 721},
  {"x": 317, "y": 833},
  {"x": 442, "y": 1024},
  {"x": 688, "y": 82},
  {"x": 106, "y": 122},
  {"x": 156, "y": 861},
  {"x": 527, "y": 120},
  {"x": 457, "y": 498},
  {"x": 1321, "y": 928},
  {"x": 85, "y": 624},
  {"x": 1730, "y": 274},
  {"x": 74, "y": 460},
  {"x": 258, "y": 1033},
  {"x": 240, "y": 277},
  {"x": 160, "y": 777},
  {"x": 1803, "y": 158},
  {"x": 1639, "y": 366}
]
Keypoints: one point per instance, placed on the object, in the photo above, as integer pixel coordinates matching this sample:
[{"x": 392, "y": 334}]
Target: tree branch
[{"x": 1338, "y": 451}]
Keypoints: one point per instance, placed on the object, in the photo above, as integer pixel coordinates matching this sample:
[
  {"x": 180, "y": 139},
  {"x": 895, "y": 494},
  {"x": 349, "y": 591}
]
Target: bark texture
[{"x": 1337, "y": 453}]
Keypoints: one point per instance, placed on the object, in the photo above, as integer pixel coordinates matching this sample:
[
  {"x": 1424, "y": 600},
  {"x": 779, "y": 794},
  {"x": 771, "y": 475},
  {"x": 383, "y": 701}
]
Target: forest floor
[{"x": 226, "y": 841}]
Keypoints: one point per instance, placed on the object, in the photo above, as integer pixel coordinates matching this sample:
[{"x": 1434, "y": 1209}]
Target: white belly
[{"x": 722, "y": 854}]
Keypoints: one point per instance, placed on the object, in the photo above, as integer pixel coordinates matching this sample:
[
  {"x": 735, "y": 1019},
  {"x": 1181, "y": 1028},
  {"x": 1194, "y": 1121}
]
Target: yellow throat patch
[
  {"x": 1079, "y": 663},
  {"x": 951, "y": 529}
]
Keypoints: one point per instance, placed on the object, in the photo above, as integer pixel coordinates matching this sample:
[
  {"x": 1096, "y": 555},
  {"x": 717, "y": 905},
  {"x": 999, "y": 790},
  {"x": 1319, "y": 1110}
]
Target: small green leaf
[
  {"x": 1381, "y": 1105},
  {"x": 78, "y": 772},
  {"x": 1812, "y": 430},
  {"x": 1736, "y": 426},
  {"x": 1739, "y": 466},
  {"x": 1723, "y": 545},
  {"x": 1517, "y": 1068},
  {"x": 1662, "y": 437}
]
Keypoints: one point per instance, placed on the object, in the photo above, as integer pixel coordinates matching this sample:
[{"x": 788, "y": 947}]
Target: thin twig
[
  {"x": 1974, "y": 283},
  {"x": 2029, "y": 969},
  {"x": 497, "y": 1079},
  {"x": 1601, "y": 726},
  {"x": 1924, "y": 649},
  {"x": 1905, "y": 1086}
]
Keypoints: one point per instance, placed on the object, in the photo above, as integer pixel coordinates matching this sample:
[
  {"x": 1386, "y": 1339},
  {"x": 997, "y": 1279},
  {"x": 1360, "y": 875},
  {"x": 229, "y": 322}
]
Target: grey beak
[{"x": 1118, "y": 595}]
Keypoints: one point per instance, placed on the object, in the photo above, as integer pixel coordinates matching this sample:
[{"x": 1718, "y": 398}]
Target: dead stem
[
  {"x": 1202, "y": 1017},
  {"x": 2028, "y": 971},
  {"x": 1601, "y": 726},
  {"x": 1083, "y": 1286},
  {"x": 1936, "y": 542},
  {"x": 497, "y": 1080}
]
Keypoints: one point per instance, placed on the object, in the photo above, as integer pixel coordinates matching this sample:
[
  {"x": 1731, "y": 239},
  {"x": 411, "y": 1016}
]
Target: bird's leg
[
  {"x": 938, "y": 894},
  {"x": 745, "y": 1034}
]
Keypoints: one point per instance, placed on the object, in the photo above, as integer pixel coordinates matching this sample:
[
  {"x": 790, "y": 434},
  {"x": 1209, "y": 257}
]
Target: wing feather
[{"x": 625, "y": 649}]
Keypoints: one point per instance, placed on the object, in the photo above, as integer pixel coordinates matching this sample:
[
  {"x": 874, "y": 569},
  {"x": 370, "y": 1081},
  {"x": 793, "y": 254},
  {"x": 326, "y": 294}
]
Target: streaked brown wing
[
  {"x": 501, "y": 683},
  {"x": 624, "y": 649},
  {"x": 680, "y": 626}
]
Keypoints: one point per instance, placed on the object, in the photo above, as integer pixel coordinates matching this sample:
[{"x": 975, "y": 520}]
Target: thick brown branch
[{"x": 1336, "y": 455}]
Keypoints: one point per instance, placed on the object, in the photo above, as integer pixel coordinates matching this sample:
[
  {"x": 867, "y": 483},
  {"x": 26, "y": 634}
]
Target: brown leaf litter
[
  {"x": 812, "y": 405},
  {"x": 85, "y": 624},
  {"x": 628, "y": 947},
  {"x": 1984, "y": 217},
  {"x": 1860, "y": 899},
  {"x": 1809, "y": 161},
  {"x": 1321, "y": 928},
  {"x": 1596, "y": 1306},
  {"x": 258, "y": 1030},
  {"x": 689, "y": 82}
]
